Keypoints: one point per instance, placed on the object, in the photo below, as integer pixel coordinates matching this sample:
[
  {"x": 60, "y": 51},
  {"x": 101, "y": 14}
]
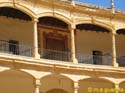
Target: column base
[
  {"x": 37, "y": 56},
  {"x": 75, "y": 61},
  {"x": 116, "y": 65}
]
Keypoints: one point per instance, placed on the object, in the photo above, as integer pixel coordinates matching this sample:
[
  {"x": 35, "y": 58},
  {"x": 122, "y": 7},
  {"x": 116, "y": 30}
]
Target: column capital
[
  {"x": 113, "y": 32},
  {"x": 76, "y": 84},
  {"x": 38, "y": 83},
  {"x": 117, "y": 82},
  {"x": 72, "y": 27},
  {"x": 35, "y": 20}
]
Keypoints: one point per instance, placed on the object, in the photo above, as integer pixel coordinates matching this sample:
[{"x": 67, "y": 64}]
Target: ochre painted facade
[{"x": 85, "y": 55}]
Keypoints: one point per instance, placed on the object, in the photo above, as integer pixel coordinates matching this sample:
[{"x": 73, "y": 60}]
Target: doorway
[
  {"x": 14, "y": 47},
  {"x": 55, "y": 47},
  {"x": 97, "y": 57}
]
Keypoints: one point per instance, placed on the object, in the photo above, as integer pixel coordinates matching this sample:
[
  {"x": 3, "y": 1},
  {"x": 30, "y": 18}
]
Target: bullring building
[{"x": 61, "y": 46}]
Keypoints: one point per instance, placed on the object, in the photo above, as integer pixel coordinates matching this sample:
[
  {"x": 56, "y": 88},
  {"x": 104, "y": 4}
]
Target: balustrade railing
[
  {"x": 16, "y": 49},
  {"x": 94, "y": 59},
  {"x": 55, "y": 54},
  {"x": 23, "y": 50},
  {"x": 121, "y": 61}
]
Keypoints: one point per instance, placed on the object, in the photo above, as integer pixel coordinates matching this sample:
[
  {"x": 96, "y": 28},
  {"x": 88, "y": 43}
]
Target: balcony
[
  {"x": 121, "y": 61},
  {"x": 55, "y": 40},
  {"x": 55, "y": 55},
  {"x": 94, "y": 59},
  {"x": 15, "y": 49},
  {"x": 23, "y": 50},
  {"x": 65, "y": 56}
]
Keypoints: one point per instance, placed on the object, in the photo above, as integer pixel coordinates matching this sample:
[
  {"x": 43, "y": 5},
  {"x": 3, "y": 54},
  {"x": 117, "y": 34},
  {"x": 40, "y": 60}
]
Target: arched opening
[
  {"x": 56, "y": 83},
  {"x": 120, "y": 45},
  {"x": 54, "y": 22},
  {"x": 121, "y": 31},
  {"x": 53, "y": 38},
  {"x": 95, "y": 85},
  {"x": 93, "y": 44},
  {"x": 57, "y": 91},
  {"x": 14, "y": 13},
  {"x": 122, "y": 84},
  {"x": 15, "y": 25},
  {"x": 91, "y": 27},
  {"x": 12, "y": 81}
]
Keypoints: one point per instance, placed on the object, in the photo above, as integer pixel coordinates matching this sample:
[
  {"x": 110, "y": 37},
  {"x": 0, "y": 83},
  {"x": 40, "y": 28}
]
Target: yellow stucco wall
[
  {"x": 120, "y": 45},
  {"x": 15, "y": 29},
  {"x": 16, "y": 82},
  {"x": 53, "y": 82},
  {"x": 87, "y": 41}
]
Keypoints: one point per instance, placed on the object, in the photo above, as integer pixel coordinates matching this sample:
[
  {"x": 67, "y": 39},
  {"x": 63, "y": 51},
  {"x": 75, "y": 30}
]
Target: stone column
[
  {"x": 37, "y": 86},
  {"x": 73, "y": 53},
  {"x": 35, "y": 39},
  {"x": 114, "y": 60},
  {"x": 76, "y": 86},
  {"x": 117, "y": 88}
]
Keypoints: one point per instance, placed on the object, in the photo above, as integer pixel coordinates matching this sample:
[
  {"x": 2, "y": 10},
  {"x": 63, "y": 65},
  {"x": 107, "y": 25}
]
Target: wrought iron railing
[
  {"x": 55, "y": 54},
  {"x": 16, "y": 49},
  {"x": 92, "y": 59},
  {"x": 121, "y": 61},
  {"x": 23, "y": 50}
]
